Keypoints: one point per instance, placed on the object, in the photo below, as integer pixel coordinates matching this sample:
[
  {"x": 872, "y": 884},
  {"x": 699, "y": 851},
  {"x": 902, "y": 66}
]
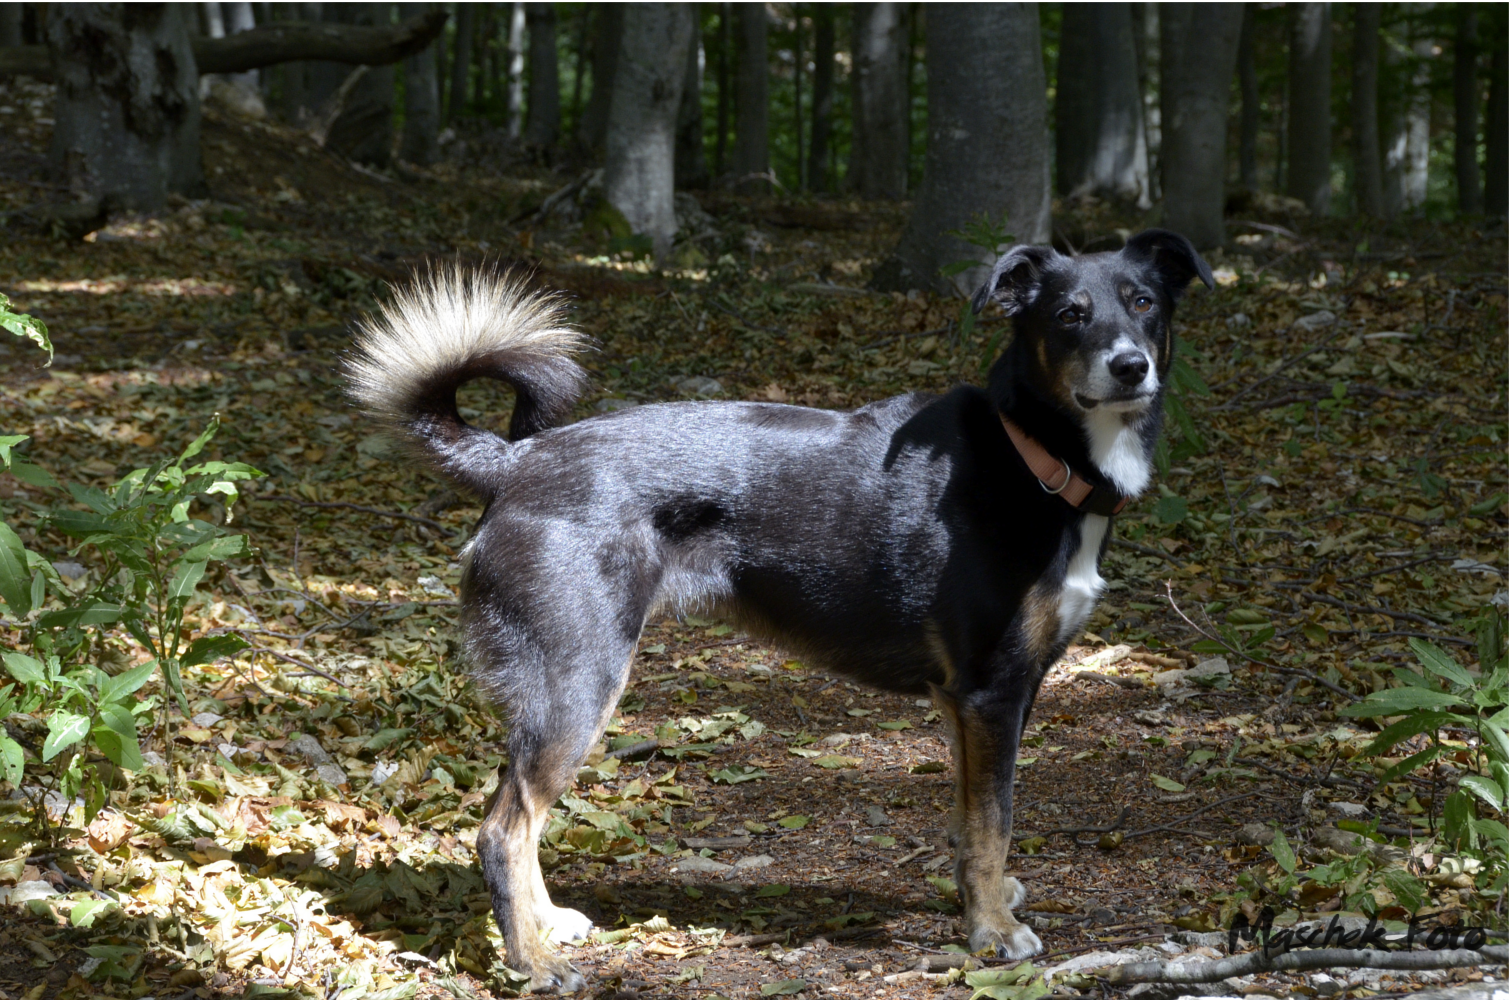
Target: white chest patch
[
  {"x": 1082, "y": 581},
  {"x": 1117, "y": 449}
]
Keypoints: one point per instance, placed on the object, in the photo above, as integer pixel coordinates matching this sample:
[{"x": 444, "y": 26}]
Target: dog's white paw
[
  {"x": 1017, "y": 943},
  {"x": 1012, "y": 889},
  {"x": 562, "y": 924}
]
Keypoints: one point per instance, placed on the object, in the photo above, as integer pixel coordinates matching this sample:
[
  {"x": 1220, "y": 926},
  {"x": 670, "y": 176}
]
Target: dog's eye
[
  {"x": 1142, "y": 304},
  {"x": 1068, "y": 316}
]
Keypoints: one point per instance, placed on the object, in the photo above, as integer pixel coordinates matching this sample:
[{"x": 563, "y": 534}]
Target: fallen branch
[
  {"x": 1300, "y": 961},
  {"x": 1147, "y": 551},
  {"x": 1074, "y": 830},
  {"x": 546, "y": 207},
  {"x": 633, "y": 749},
  {"x": 1191, "y": 816},
  {"x": 1275, "y": 373},
  {"x": 365, "y": 510}
]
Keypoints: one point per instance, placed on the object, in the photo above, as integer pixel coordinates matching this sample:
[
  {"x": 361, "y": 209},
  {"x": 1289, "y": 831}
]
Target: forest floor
[{"x": 1339, "y": 490}]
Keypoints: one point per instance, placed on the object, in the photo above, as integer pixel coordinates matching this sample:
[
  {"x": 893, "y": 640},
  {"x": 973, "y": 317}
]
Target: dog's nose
[{"x": 1129, "y": 368}]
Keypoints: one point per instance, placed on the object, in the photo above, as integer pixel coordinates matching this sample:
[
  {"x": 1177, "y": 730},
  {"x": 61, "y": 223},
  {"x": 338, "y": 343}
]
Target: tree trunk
[
  {"x": 584, "y": 22},
  {"x": 878, "y": 151},
  {"x": 544, "y": 126},
  {"x": 1247, "y": 78},
  {"x": 1198, "y": 43},
  {"x": 1496, "y": 139},
  {"x": 608, "y": 30},
  {"x": 1309, "y": 177},
  {"x": 1098, "y": 113},
  {"x": 1418, "y": 127},
  {"x": 363, "y": 131},
  {"x": 823, "y": 96},
  {"x": 639, "y": 171},
  {"x": 691, "y": 162},
  {"x": 797, "y": 67},
  {"x": 516, "y": 69},
  {"x": 238, "y": 17},
  {"x": 987, "y": 152},
  {"x": 1368, "y": 190},
  {"x": 1465, "y": 100},
  {"x": 1145, "y": 18},
  {"x": 10, "y": 24},
  {"x": 752, "y": 153},
  {"x": 461, "y": 60},
  {"x": 725, "y": 87},
  {"x": 421, "y": 98},
  {"x": 127, "y": 109}
]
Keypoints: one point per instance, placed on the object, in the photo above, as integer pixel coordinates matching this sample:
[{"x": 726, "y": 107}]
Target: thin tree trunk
[
  {"x": 878, "y": 152},
  {"x": 516, "y": 69},
  {"x": 238, "y": 18},
  {"x": 1098, "y": 114},
  {"x": 752, "y": 153},
  {"x": 487, "y": 56},
  {"x": 584, "y": 21},
  {"x": 1247, "y": 78},
  {"x": 639, "y": 171},
  {"x": 608, "y": 30},
  {"x": 363, "y": 131},
  {"x": 127, "y": 108},
  {"x": 1198, "y": 43},
  {"x": 1465, "y": 99},
  {"x": 1368, "y": 184},
  {"x": 1145, "y": 18},
  {"x": 421, "y": 98},
  {"x": 1310, "y": 76},
  {"x": 797, "y": 93},
  {"x": 987, "y": 149},
  {"x": 11, "y": 15},
  {"x": 544, "y": 126},
  {"x": 823, "y": 96},
  {"x": 691, "y": 162},
  {"x": 461, "y": 59},
  {"x": 1496, "y": 139},
  {"x": 725, "y": 90},
  {"x": 1418, "y": 127}
]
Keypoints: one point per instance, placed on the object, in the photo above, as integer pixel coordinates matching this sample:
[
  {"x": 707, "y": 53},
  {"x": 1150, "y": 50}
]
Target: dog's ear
[
  {"x": 1173, "y": 257},
  {"x": 1014, "y": 280}
]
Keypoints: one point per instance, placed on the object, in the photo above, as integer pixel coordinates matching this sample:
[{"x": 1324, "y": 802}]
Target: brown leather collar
[{"x": 1056, "y": 476}]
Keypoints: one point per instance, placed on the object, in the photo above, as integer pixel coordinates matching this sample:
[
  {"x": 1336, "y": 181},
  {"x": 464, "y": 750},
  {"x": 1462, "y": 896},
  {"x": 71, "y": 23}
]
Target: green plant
[
  {"x": 151, "y": 556},
  {"x": 1446, "y": 696}
]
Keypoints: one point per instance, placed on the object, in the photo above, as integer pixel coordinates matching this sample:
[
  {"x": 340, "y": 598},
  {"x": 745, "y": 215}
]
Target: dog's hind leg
[
  {"x": 987, "y": 731},
  {"x": 553, "y": 722}
]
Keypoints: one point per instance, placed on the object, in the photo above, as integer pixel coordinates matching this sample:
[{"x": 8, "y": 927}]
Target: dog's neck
[{"x": 1107, "y": 447}]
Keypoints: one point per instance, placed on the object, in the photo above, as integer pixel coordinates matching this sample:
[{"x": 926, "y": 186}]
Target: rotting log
[
  {"x": 270, "y": 44},
  {"x": 1298, "y": 961}
]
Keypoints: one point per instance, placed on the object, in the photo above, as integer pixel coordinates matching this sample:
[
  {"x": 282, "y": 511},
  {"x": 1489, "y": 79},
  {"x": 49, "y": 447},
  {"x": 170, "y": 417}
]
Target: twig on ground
[
  {"x": 1075, "y": 830},
  {"x": 740, "y": 316},
  {"x": 1314, "y": 679},
  {"x": 1275, "y": 373},
  {"x": 1189, "y": 817},
  {"x": 316, "y": 671},
  {"x": 1300, "y": 961},
  {"x": 427, "y": 522},
  {"x": 634, "y": 749},
  {"x": 1147, "y": 551},
  {"x": 1119, "y": 942}
]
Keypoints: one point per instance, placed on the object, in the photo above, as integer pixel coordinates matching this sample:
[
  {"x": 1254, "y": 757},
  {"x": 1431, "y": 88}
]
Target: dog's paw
[
  {"x": 555, "y": 975},
  {"x": 562, "y": 924},
  {"x": 1015, "y": 895},
  {"x": 1016, "y": 942}
]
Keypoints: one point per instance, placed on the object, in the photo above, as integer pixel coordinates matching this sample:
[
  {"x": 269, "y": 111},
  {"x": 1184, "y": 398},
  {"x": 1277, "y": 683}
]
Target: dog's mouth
[{"x": 1131, "y": 400}]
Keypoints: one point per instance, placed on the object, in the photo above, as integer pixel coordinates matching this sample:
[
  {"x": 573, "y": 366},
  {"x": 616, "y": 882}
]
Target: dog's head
[{"x": 1095, "y": 329}]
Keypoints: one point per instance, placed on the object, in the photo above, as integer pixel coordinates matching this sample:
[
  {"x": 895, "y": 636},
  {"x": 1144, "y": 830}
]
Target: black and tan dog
[{"x": 939, "y": 544}]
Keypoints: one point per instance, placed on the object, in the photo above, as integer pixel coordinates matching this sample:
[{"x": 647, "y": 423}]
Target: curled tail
[{"x": 453, "y": 326}]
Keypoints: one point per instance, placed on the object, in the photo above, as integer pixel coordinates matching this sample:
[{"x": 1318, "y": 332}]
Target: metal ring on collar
[{"x": 1067, "y": 477}]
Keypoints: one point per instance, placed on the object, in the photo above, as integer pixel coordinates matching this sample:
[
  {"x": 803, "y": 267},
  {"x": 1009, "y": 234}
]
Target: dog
[{"x": 946, "y": 545}]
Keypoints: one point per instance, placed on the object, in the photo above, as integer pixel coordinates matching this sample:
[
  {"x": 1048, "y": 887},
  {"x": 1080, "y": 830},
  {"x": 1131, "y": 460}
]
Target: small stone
[
  {"x": 22, "y": 892},
  {"x": 331, "y": 774},
  {"x": 1238, "y": 320},
  {"x": 1352, "y": 810},
  {"x": 1317, "y": 320},
  {"x": 69, "y": 571},
  {"x": 1103, "y": 916},
  {"x": 700, "y": 864},
  {"x": 699, "y": 385},
  {"x": 754, "y": 861},
  {"x": 153, "y": 759},
  {"x": 876, "y": 816},
  {"x": 206, "y": 720},
  {"x": 1325, "y": 985},
  {"x": 309, "y": 748},
  {"x": 1255, "y": 833}
]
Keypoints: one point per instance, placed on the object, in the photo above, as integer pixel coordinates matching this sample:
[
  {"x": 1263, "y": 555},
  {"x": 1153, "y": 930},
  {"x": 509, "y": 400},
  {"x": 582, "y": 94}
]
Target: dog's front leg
[{"x": 987, "y": 732}]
